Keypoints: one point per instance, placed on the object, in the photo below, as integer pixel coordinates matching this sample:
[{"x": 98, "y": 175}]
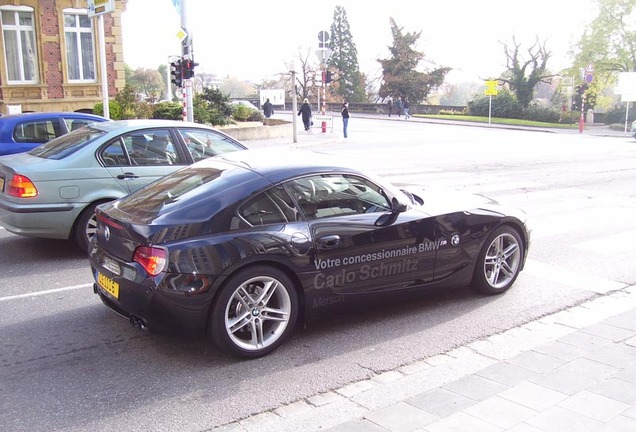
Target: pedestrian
[
  {"x": 389, "y": 106},
  {"x": 305, "y": 113},
  {"x": 407, "y": 105},
  {"x": 398, "y": 106},
  {"x": 345, "y": 118},
  {"x": 268, "y": 109}
]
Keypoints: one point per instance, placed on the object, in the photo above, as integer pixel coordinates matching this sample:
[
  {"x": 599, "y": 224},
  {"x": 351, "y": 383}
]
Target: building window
[
  {"x": 20, "y": 49},
  {"x": 80, "y": 49}
]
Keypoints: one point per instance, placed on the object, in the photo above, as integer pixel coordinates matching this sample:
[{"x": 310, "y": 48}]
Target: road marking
[
  {"x": 572, "y": 278},
  {"x": 610, "y": 244},
  {"x": 47, "y": 292}
]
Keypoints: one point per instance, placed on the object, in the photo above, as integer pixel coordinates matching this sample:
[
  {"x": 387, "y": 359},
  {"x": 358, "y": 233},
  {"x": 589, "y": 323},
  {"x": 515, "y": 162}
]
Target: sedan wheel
[
  {"x": 86, "y": 227},
  {"x": 499, "y": 261},
  {"x": 255, "y": 312}
]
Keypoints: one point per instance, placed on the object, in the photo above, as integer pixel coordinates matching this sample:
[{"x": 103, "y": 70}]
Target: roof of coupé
[{"x": 279, "y": 164}]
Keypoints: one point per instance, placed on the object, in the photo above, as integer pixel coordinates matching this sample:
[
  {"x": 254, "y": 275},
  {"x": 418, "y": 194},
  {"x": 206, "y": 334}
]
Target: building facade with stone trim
[{"x": 51, "y": 55}]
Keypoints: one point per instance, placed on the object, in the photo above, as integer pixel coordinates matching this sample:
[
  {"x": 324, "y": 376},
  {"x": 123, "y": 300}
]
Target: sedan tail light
[
  {"x": 21, "y": 187},
  {"x": 153, "y": 259}
]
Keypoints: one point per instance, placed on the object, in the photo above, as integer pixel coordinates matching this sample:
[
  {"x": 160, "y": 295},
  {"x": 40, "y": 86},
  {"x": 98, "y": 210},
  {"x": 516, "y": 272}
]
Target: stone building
[{"x": 51, "y": 55}]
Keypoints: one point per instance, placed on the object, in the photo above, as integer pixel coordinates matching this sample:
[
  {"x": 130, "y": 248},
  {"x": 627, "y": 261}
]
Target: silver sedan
[{"x": 53, "y": 190}]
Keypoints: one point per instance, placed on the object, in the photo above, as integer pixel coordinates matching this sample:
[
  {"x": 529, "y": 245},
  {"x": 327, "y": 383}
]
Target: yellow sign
[
  {"x": 98, "y": 7},
  {"x": 491, "y": 88},
  {"x": 181, "y": 35}
]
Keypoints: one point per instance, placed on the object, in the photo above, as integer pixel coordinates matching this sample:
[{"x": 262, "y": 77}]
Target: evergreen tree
[
  {"x": 400, "y": 76},
  {"x": 343, "y": 63}
]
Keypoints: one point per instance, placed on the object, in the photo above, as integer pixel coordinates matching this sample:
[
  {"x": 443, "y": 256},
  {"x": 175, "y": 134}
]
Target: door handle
[
  {"x": 329, "y": 242},
  {"x": 127, "y": 175}
]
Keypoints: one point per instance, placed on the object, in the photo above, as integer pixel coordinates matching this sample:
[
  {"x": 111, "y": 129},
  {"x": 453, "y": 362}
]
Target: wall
[{"x": 54, "y": 92}]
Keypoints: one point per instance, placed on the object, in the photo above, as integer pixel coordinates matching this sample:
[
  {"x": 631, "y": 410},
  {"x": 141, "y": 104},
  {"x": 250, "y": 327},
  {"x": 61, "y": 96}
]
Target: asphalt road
[{"x": 68, "y": 363}]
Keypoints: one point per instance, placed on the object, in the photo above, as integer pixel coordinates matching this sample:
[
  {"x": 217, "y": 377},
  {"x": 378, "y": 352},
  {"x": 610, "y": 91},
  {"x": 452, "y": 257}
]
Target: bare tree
[
  {"x": 306, "y": 76},
  {"x": 523, "y": 75}
]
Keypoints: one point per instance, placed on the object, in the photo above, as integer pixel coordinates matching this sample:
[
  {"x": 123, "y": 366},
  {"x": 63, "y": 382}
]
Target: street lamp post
[{"x": 294, "y": 102}]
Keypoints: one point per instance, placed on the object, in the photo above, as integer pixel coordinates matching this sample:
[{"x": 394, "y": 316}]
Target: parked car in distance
[
  {"x": 242, "y": 245},
  {"x": 52, "y": 191},
  {"x": 245, "y": 103},
  {"x": 22, "y": 132}
]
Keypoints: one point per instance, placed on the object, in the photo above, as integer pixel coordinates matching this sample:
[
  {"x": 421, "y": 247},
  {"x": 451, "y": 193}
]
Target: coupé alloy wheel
[
  {"x": 255, "y": 312},
  {"x": 499, "y": 261}
]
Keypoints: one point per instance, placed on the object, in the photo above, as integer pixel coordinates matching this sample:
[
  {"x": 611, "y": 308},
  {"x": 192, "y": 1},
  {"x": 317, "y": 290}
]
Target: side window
[
  {"x": 36, "y": 131},
  {"x": 72, "y": 124},
  {"x": 114, "y": 154},
  {"x": 154, "y": 147},
  {"x": 264, "y": 209},
  {"x": 203, "y": 144},
  {"x": 335, "y": 195}
]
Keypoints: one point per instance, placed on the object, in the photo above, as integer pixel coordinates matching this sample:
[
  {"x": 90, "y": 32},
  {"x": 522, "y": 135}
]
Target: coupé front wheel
[
  {"x": 499, "y": 261},
  {"x": 256, "y": 310}
]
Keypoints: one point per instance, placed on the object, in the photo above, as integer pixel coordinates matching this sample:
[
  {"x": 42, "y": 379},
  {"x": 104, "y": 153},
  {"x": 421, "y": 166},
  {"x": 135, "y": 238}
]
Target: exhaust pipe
[{"x": 137, "y": 322}]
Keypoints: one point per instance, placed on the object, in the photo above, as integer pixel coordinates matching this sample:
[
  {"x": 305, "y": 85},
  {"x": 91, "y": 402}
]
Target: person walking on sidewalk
[
  {"x": 407, "y": 105},
  {"x": 305, "y": 113},
  {"x": 345, "y": 118},
  {"x": 389, "y": 106},
  {"x": 398, "y": 106},
  {"x": 268, "y": 109}
]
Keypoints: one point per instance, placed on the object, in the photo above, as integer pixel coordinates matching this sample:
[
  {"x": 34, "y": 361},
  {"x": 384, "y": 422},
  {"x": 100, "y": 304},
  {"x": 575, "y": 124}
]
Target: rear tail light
[
  {"x": 153, "y": 259},
  {"x": 20, "y": 186}
]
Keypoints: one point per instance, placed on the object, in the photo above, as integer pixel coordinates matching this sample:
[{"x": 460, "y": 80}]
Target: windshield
[{"x": 67, "y": 144}]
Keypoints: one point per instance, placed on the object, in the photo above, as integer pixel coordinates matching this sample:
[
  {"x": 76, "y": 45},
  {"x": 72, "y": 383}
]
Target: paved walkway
[
  {"x": 317, "y": 135},
  {"x": 574, "y": 371}
]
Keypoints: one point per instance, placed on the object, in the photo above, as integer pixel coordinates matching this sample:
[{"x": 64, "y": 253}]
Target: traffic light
[
  {"x": 188, "y": 68},
  {"x": 326, "y": 76},
  {"x": 581, "y": 89},
  {"x": 176, "y": 71}
]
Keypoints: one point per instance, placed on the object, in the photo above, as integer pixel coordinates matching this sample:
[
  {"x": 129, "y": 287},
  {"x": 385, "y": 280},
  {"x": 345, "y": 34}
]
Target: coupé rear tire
[
  {"x": 499, "y": 262},
  {"x": 255, "y": 312}
]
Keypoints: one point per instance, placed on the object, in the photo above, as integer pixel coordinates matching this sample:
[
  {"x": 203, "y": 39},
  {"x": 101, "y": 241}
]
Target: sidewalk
[
  {"x": 599, "y": 130},
  {"x": 574, "y": 370}
]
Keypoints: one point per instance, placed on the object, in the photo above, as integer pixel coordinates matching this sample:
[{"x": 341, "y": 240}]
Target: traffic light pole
[
  {"x": 187, "y": 54},
  {"x": 324, "y": 99}
]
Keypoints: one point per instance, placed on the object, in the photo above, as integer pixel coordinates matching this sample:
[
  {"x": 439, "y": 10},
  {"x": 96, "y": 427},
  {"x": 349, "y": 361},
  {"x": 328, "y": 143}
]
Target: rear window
[
  {"x": 174, "y": 188},
  {"x": 67, "y": 144}
]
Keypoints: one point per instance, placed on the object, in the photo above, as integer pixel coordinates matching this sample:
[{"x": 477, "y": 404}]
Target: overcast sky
[{"x": 255, "y": 39}]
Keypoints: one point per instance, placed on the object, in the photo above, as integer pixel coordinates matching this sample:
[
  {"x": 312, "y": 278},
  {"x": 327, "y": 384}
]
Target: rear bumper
[
  {"x": 149, "y": 299},
  {"x": 39, "y": 220}
]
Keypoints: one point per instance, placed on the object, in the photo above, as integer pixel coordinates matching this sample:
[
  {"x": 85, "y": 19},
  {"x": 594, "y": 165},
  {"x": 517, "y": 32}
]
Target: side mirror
[
  {"x": 389, "y": 218},
  {"x": 396, "y": 206}
]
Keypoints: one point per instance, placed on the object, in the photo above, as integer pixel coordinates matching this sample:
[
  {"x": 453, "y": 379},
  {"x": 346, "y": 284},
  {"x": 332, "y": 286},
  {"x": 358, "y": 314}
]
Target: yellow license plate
[{"x": 108, "y": 285}]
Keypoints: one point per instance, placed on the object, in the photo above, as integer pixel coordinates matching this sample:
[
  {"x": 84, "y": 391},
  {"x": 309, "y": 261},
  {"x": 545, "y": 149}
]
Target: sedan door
[
  {"x": 143, "y": 156},
  {"x": 359, "y": 246}
]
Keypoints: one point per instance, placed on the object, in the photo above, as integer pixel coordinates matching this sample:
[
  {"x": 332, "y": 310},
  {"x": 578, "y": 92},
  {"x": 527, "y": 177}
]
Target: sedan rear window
[{"x": 67, "y": 144}]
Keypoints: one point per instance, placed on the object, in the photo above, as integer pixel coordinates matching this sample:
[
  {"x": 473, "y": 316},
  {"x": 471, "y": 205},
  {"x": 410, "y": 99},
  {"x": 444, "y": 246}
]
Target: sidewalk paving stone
[{"x": 572, "y": 371}]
